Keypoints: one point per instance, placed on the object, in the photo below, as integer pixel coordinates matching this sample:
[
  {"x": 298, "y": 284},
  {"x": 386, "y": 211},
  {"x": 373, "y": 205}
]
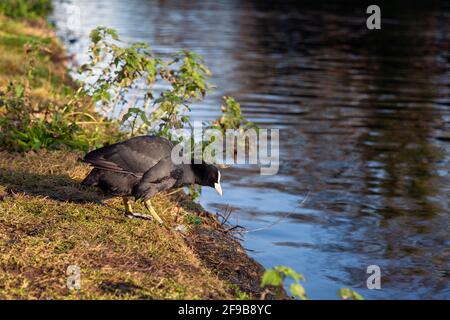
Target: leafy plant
[
  {"x": 195, "y": 192},
  {"x": 115, "y": 71},
  {"x": 276, "y": 276},
  {"x": 349, "y": 294},
  {"x": 232, "y": 117},
  {"x": 28, "y": 123},
  {"x": 118, "y": 77},
  {"x": 122, "y": 76},
  {"x": 25, "y": 8}
]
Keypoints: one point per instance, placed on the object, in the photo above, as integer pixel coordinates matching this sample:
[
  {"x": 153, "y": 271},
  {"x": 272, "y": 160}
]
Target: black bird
[{"x": 141, "y": 167}]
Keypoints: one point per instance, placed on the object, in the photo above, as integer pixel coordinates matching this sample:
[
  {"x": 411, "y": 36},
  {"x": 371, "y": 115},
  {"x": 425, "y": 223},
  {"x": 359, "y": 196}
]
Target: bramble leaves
[
  {"x": 124, "y": 77},
  {"x": 298, "y": 291},
  {"x": 18, "y": 9},
  {"x": 128, "y": 82},
  {"x": 349, "y": 294},
  {"x": 275, "y": 277},
  {"x": 272, "y": 278}
]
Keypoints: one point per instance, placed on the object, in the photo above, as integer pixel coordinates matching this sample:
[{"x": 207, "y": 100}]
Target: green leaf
[
  {"x": 144, "y": 118},
  {"x": 95, "y": 35},
  {"x": 126, "y": 116},
  {"x": 298, "y": 291},
  {"x": 271, "y": 278},
  {"x": 289, "y": 272},
  {"x": 19, "y": 90},
  {"x": 112, "y": 33},
  {"x": 349, "y": 294}
]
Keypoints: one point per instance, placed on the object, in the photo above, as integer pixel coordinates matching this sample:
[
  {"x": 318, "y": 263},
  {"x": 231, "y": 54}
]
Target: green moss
[{"x": 193, "y": 219}]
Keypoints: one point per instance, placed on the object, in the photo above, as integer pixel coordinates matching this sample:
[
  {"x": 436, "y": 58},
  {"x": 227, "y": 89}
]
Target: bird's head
[{"x": 207, "y": 175}]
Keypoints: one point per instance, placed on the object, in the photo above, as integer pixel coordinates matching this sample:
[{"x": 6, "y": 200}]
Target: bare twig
[
  {"x": 235, "y": 228},
  {"x": 225, "y": 218}
]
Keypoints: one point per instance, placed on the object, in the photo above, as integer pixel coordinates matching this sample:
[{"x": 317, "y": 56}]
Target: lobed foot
[
  {"x": 149, "y": 207},
  {"x": 130, "y": 214},
  {"x": 137, "y": 215}
]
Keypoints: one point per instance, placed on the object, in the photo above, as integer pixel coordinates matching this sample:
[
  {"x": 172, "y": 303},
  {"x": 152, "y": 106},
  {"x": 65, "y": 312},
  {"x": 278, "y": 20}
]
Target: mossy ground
[{"x": 48, "y": 222}]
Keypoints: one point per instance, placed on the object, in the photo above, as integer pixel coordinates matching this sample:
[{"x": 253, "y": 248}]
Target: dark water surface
[{"x": 364, "y": 119}]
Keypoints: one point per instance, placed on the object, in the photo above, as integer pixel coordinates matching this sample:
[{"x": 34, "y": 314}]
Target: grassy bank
[{"x": 47, "y": 222}]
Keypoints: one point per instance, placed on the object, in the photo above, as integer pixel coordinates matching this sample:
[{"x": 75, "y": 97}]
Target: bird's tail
[{"x": 91, "y": 179}]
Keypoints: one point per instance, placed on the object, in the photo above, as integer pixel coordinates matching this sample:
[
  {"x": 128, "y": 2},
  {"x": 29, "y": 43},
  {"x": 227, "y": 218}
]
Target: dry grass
[{"x": 48, "y": 222}]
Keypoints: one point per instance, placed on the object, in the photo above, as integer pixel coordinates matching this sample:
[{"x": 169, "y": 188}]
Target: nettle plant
[
  {"x": 148, "y": 93},
  {"x": 30, "y": 122}
]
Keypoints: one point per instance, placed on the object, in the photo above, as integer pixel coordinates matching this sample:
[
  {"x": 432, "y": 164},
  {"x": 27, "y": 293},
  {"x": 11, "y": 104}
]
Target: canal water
[{"x": 364, "y": 120}]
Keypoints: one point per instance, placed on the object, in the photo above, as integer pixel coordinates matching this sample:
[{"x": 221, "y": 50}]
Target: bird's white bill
[{"x": 218, "y": 188}]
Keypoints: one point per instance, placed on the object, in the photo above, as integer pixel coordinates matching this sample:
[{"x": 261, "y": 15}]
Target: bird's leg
[
  {"x": 127, "y": 204},
  {"x": 149, "y": 207},
  {"x": 129, "y": 211}
]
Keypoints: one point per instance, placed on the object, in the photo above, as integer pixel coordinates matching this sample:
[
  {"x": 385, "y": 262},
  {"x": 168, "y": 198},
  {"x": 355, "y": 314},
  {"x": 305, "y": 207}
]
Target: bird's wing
[
  {"x": 162, "y": 176},
  {"x": 164, "y": 169},
  {"x": 135, "y": 156}
]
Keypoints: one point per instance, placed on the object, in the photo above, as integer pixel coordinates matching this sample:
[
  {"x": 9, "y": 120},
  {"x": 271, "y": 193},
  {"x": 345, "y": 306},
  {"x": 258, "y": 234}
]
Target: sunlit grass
[{"x": 47, "y": 222}]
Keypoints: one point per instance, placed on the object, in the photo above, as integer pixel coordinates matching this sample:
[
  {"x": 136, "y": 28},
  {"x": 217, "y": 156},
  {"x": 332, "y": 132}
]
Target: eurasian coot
[{"x": 141, "y": 167}]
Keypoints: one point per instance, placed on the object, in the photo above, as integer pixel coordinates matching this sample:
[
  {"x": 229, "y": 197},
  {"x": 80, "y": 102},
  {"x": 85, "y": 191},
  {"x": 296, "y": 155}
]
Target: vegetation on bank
[
  {"x": 39, "y": 107},
  {"x": 49, "y": 223}
]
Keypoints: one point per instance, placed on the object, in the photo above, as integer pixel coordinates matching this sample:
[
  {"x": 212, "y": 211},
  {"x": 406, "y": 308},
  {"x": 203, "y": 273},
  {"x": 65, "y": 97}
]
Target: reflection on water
[{"x": 364, "y": 119}]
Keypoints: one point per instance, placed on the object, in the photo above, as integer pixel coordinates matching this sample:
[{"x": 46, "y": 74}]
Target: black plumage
[{"x": 141, "y": 167}]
